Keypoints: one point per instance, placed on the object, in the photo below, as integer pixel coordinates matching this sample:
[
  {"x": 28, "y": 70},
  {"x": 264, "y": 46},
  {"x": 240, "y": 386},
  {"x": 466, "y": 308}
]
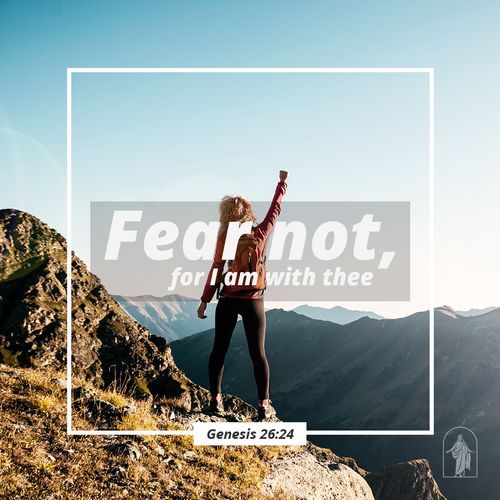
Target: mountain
[
  {"x": 174, "y": 317},
  {"x": 336, "y": 314},
  {"x": 476, "y": 312},
  {"x": 368, "y": 374},
  {"x": 39, "y": 459},
  {"x": 467, "y": 377},
  {"x": 171, "y": 316},
  {"x": 107, "y": 344},
  {"x": 373, "y": 374},
  {"x": 125, "y": 378}
]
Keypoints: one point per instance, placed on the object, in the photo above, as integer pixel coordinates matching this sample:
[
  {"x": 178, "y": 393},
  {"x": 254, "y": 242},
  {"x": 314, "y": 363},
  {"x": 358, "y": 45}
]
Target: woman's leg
[
  {"x": 226, "y": 315},
  {"x": 254, "y": 321}
]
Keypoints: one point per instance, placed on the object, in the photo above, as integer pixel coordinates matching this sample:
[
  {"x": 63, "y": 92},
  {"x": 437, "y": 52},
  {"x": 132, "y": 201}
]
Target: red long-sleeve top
[{"x": 261, "y": 232}]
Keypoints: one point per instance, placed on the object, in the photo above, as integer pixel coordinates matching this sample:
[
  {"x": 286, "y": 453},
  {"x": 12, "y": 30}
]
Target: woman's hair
[{"x": 234, "y": 209}]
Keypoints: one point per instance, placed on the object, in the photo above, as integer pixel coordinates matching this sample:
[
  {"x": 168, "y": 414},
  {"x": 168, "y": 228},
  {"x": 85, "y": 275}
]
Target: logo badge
[{"x": 460, "y": 453}]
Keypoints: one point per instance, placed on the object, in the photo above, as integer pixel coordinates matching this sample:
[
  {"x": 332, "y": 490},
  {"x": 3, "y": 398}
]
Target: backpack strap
[{"x": 220, "y": 287}]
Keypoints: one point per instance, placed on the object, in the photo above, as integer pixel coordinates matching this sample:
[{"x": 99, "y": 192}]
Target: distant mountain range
[
  {"x": 336, "y": 314},
  {"x": 342, "y": 316},
  {"x": 373, "y": 374},
  {"x": 171, "y": 316},
  {"x": 467, "y": 378},
  {"x": 174, "y": 317},
  {"x": 368, "y": 374},
  {"x": 476, "y": 312}
]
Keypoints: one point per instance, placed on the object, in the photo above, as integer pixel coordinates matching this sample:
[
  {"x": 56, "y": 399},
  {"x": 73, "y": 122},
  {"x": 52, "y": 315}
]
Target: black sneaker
[
  {"x": 266, "y": 412},
  {"x": 216, "y": 406}
]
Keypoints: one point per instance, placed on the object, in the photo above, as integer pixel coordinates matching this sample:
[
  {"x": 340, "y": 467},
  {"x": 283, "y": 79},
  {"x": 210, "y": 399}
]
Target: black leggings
[{"x": 254, "y": 322}]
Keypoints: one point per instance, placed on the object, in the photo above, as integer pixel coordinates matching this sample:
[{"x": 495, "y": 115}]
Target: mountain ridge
[
  {"x": 170, "y": 316},
  {"x": 467, "y": 372},
  {"x": 335, "y": 314},
  {"x": 330, "y": 362}
]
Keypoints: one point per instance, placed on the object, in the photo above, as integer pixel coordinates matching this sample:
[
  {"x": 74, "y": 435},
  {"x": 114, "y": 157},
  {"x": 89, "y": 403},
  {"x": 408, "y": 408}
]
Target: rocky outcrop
[
  {"x": 411, "y": 480},
  {"x": 108, "y": 347},
  {"x": 303, "y": 476}
]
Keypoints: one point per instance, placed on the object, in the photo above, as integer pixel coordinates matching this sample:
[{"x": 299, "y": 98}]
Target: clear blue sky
[{"x": 137, "y": 138}]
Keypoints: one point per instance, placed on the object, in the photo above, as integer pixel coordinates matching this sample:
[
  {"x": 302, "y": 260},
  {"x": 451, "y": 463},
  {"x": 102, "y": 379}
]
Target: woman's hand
[
  {"x": 201, "y": 310},
  {"x": 283, "y": 175}
]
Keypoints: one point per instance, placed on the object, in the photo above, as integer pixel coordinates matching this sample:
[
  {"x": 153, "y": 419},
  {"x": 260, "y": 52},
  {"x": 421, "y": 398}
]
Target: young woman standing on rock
[{"x": 241, "y": 299}]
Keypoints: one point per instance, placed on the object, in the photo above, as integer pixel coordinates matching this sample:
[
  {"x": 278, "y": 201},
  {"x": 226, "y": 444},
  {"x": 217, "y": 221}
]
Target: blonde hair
[{"x": 234, "y": 209}]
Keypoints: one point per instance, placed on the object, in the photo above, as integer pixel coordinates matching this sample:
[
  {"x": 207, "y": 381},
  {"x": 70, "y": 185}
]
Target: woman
[{"x": 247, "y": 303}]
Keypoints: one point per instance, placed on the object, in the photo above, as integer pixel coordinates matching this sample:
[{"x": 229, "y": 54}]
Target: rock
[
  {"x": 8, "y": 371},
  {"x": 117, "y": 471},
  {"x": 173, "y": 462},
  {"x": 104, "y": 413},
  {"x": 61, "y": 382},
  {"x": 189, "y": 455},
  {"x": 303, "y": 476},
  {"x": 411, "y": 479},
  {"x": 159, "y": 450},
  {"x": 129, "y": 409},
  {"x": 83, "y": 393},
  {"x": 108, "y": 345},
  {"x": 130, "y": 450},
  {"x": 18, "y": 427}
]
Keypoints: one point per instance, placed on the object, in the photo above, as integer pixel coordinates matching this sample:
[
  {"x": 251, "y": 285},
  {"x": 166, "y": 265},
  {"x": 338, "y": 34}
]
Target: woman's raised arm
[{"x": 274, "y": 211}]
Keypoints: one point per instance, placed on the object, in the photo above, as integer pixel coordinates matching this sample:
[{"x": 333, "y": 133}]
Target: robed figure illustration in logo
[{"x": 462, "y": 455}]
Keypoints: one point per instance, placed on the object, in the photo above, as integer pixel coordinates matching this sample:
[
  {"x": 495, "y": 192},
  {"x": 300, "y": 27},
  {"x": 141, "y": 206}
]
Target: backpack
[{"x": 249, "y": 257}]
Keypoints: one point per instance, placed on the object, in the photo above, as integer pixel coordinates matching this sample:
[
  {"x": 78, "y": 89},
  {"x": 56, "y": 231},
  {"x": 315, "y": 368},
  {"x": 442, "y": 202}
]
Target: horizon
[{"x": 296, "y": 304}]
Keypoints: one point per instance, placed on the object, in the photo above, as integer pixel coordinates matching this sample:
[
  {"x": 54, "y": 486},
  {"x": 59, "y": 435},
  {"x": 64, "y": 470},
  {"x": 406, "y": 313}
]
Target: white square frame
[{"x": 431, "y": 156}]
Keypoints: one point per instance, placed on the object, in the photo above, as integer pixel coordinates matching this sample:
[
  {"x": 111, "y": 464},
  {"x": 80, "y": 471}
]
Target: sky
[
  {"x": 346, "y": 137},
  {"x": 340, "y": 136}
]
